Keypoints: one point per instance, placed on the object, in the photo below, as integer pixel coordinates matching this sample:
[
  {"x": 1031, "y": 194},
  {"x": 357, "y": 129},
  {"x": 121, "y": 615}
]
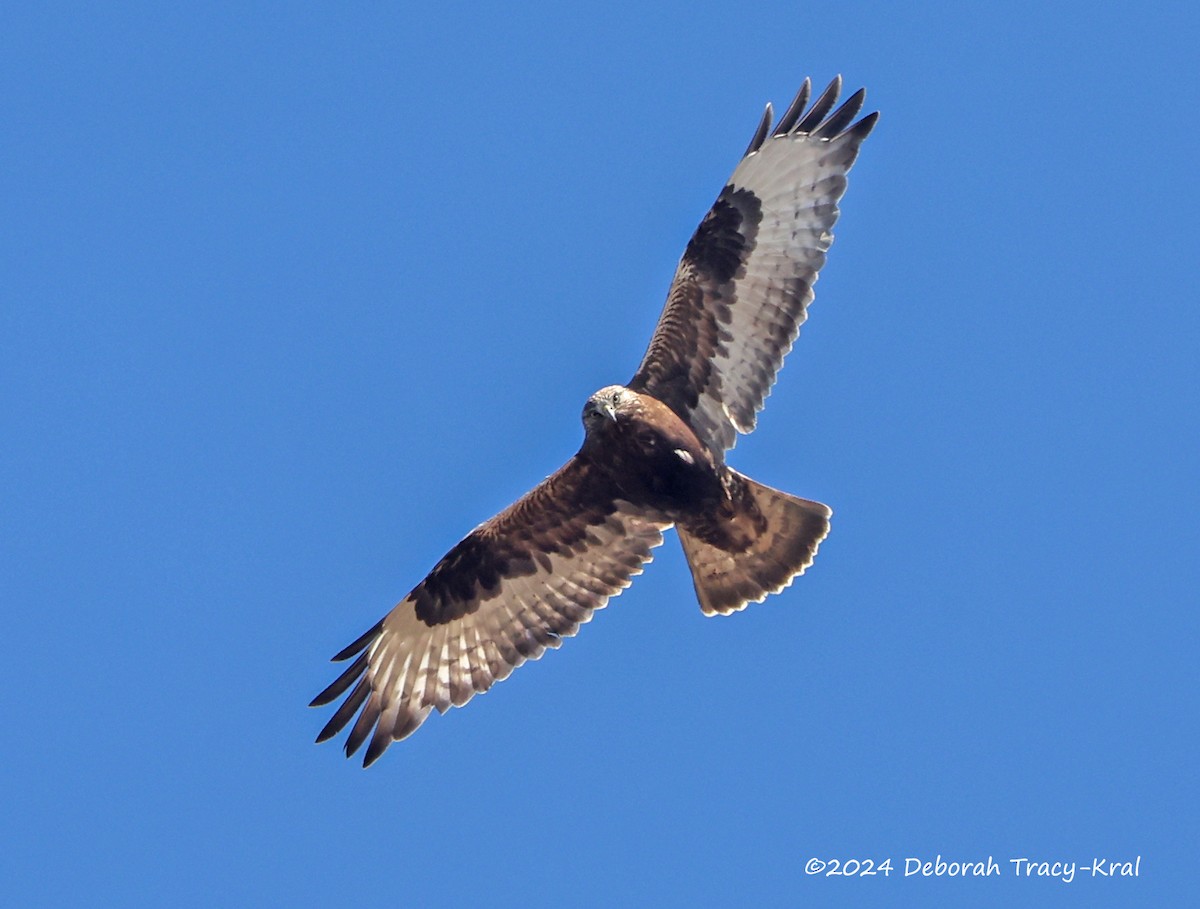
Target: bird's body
[
  {"x": 653, "y": 456},
  {"x": 654, "y": 461}
]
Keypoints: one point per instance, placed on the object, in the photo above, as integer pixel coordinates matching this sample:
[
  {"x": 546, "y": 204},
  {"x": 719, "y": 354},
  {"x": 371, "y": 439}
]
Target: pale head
[{"x": 606, "y": 406}]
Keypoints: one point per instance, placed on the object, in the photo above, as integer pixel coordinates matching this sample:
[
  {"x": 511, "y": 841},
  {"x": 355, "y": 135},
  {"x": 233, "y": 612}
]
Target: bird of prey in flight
[{"x": 653, "y": 455}]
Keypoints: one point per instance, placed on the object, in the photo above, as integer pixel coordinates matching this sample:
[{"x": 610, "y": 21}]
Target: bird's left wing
[
  {"x": 744, "y": 283},
  {"x": 513, "y": 587}
]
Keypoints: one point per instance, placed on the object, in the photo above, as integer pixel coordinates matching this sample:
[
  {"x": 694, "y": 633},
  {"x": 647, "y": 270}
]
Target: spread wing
[
  {"x": 514, "y": 586},
  {"x": 744, "y": 283}
]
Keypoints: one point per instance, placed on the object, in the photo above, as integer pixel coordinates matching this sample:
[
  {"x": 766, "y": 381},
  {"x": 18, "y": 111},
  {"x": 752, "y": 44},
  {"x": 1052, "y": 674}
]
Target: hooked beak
[{"x": 609, "y": 411}]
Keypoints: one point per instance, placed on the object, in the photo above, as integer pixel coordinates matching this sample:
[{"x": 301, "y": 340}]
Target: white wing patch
[{"x": 798, "y": 180}]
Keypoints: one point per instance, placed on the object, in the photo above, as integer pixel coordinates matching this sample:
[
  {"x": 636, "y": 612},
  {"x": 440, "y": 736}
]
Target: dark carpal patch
[
  {"x": 678, "y": 367},
  {"x": 474, "y": 571},
  {"x": 725, "y": 237},
  {"x": 454, "y": 588}
]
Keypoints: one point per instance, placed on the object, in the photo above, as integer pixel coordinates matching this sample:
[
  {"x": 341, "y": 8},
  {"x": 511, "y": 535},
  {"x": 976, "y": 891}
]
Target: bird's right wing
[
  {"x": 514, "y": 586},
  {"x": 743, "y": 286}
]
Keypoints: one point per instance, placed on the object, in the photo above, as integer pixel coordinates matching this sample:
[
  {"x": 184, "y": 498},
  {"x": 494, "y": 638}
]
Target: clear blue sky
[{"x": 291, "y": 298}]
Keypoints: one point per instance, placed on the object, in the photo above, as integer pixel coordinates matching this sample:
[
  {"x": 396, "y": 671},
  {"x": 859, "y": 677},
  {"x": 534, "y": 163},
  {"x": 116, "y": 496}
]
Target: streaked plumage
[{"x": 652, "y": 457}]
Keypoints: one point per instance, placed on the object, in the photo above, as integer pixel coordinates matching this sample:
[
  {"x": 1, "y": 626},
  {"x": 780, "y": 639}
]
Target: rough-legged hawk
[{"x": 653, "y": 455}]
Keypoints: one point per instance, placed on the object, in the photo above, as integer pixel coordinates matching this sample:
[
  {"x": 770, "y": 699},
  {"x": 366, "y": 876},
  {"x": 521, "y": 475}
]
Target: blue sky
[{"x": 292, "y": 298}]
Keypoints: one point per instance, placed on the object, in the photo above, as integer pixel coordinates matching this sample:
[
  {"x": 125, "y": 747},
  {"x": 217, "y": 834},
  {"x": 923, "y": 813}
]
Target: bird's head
[{"x": 606, "y": 407}]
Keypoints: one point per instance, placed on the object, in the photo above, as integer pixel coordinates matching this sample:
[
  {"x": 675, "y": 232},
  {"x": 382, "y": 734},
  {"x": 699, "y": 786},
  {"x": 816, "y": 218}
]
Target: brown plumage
[{"x": 653, "y": 456}]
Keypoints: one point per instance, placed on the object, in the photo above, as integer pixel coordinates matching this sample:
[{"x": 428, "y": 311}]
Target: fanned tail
[{"x": 774, "y": 538}]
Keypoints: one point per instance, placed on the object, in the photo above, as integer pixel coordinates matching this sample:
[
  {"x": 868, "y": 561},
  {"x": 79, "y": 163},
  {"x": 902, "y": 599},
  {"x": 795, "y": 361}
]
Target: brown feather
[{"x": 770, "y": 538}]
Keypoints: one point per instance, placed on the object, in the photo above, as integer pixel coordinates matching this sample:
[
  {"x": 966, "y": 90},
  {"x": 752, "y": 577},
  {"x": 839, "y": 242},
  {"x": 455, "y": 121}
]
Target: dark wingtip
[
  {"x": 842, "y": 117},
  {"x": 863, "y": 127},
  {"x": 374, "y": 751},
  {"x": 821, "y": 107},
  {"x": 362, "y": 727},
  {"x": 359, "y": 644},
  {"x": 819, "y": 123},
  {"x": 761, "y": 133},
  {"x": 341, "y": 683},
  {"x": 328, "y": 731},
  {"x": 348, "y": 708},
  {"x": 795, "y": 109}
]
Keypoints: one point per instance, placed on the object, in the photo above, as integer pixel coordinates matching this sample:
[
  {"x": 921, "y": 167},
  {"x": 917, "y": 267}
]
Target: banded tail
[{"x": 768, "y": 539}]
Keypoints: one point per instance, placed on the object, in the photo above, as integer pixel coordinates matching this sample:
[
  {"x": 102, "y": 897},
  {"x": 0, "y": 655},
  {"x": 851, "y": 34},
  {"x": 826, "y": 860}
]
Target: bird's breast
[{"x": 657, "y": 469}]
